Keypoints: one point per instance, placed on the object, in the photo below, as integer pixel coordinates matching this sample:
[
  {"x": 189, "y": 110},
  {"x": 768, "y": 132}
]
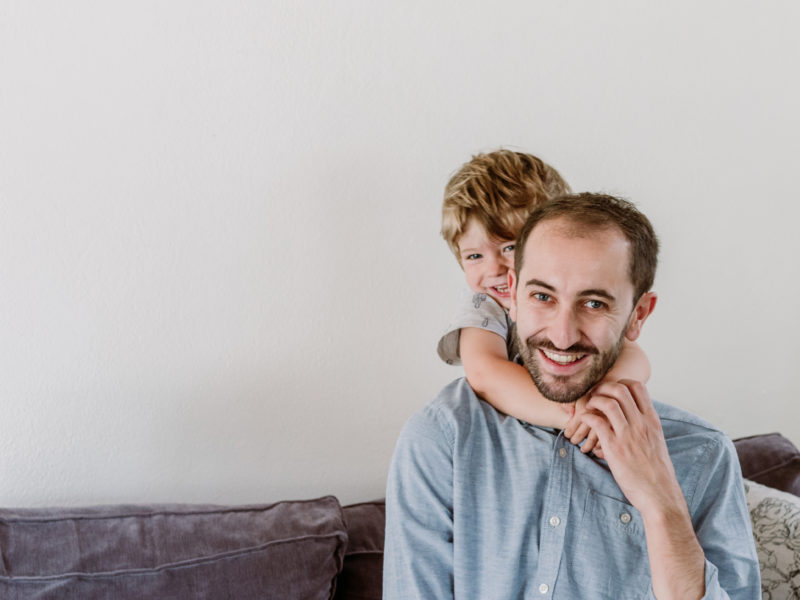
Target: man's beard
[{"x": 563, "y": 388}]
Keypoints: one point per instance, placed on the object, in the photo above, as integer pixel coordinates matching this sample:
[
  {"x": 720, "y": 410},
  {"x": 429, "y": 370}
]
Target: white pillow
[{"x": 775, "y": 516}]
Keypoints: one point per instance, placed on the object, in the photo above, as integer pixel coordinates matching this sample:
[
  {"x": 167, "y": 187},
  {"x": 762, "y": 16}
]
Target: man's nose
[{"x": 564, "y": 331}]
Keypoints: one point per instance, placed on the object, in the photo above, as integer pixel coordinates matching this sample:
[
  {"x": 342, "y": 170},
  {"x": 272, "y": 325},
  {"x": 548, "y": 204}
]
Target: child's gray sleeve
[{"x": 473, "y": 310}]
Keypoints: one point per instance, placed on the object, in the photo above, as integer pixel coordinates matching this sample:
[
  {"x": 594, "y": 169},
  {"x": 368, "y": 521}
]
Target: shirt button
[
  {"x": 554, "y": 521},
  {"x": 544, "y": 588},
  {"x": 562, "y": 452},
  {"x": 625, "y": 518}
]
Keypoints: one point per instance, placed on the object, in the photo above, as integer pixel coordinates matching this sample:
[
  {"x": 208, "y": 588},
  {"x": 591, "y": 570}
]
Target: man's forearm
[{"x": 677, "y": 562}]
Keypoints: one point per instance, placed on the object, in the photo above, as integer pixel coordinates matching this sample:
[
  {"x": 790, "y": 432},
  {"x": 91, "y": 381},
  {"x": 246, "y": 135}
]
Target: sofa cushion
[
  {"x": 283, "y": 550},
  {"x": 770, "y": 459},
  {"x": 776, "y": 528},
  {"x": 362, "y": 575}
]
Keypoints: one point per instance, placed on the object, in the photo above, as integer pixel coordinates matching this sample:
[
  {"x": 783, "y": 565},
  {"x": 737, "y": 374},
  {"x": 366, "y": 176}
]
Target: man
[{"x": 480, "y": 505}]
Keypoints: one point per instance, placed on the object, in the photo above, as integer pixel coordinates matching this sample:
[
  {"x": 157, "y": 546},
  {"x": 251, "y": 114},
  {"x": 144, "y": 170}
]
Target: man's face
[{"x": 572, "y": 305}]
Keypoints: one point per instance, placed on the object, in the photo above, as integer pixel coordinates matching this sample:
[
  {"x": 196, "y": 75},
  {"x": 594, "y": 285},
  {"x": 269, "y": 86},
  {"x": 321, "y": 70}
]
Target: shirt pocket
[{"x": 613, "y": 551}]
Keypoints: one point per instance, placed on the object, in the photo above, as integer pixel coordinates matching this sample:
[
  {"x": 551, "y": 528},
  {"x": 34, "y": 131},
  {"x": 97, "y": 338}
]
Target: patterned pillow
[{"x": 776, "y": 527}]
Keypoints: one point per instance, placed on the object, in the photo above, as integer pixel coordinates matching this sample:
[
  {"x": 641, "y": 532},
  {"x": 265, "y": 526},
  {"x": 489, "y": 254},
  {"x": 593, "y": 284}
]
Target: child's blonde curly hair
[{"x": 499, "y": 189}]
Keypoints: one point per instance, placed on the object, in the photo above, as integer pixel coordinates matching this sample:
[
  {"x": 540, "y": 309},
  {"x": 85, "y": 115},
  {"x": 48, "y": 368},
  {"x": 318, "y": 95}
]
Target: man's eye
[
  {"x": 595, "y": 304},
  {"x": 541, "y": 296}
]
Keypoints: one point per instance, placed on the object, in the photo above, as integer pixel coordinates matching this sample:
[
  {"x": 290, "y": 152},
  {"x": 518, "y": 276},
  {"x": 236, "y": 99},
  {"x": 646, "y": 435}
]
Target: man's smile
[{"x": 562, "y": 358}]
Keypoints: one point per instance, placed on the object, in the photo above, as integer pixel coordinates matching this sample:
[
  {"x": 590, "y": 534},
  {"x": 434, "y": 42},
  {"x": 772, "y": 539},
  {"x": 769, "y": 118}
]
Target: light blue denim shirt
[{"x": 481, "y": 505}]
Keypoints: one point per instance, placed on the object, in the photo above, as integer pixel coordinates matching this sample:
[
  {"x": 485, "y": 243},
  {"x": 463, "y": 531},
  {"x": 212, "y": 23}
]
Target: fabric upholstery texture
[
  {"x": 283, "y": 550},
  {"x": 362, "y": 575},
  {"x": 770, "y": 459},
  {"x": 776, "y": 528}
]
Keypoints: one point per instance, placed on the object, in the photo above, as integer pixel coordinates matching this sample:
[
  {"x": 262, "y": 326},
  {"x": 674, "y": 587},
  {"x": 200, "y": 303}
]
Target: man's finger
[
  {"x": 611, "y": 408},
  {"x": 640, "y": 396},
  {"x": 624, "y": 398}
]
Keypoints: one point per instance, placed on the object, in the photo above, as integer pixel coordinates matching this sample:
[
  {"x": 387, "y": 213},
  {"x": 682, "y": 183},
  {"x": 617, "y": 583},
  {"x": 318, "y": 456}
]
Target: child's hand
[{"x": 576, "y": 430}]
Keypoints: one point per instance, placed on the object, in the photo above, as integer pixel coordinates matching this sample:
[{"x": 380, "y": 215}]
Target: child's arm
[
  {"x": 632, "y": 363},
  {"x": 504, "y": 384}
]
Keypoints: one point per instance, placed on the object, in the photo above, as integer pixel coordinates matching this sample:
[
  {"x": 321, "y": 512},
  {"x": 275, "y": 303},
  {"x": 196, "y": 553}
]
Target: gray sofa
[{"x": 308, "y": 549}]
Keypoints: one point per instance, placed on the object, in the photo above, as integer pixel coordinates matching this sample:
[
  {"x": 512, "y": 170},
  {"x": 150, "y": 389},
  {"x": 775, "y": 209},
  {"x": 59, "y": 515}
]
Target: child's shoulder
[
  {"x": 473, "y": 310},
  {"x": 471, "y": 301}
]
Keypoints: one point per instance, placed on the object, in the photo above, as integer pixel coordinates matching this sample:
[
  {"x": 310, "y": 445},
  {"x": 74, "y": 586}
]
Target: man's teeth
[{"x": 562, "y": 359}]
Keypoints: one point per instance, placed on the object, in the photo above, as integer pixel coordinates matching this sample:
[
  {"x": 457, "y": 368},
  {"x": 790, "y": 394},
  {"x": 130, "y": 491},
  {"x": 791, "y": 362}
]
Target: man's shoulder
[
  {"x": 686, "y": 432},
  {"x": 678, "y": 421},
  {"x": 454, "y": 403},
  {"x": 681, "y": 418},
  {"x": 454, "y": 409}
]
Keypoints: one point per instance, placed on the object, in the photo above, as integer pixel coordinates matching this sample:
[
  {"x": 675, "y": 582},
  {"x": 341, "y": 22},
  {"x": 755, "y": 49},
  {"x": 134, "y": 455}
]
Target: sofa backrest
[{"x": 284, "y": 550}]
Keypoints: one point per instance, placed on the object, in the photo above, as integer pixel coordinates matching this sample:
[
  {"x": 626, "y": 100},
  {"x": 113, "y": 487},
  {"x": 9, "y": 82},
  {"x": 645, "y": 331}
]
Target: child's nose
[
  {"x": 501, "y": 264},
  {"x": 508, "y": 260}
]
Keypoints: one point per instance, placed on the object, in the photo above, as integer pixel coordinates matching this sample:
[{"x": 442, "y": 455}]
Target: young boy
[{"x": 485, "y": 205}]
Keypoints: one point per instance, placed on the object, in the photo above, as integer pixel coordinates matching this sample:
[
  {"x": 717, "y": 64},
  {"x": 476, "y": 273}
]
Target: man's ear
[
  {"x": 641, "y": 311},
  {"x": 512, "y": 288}
]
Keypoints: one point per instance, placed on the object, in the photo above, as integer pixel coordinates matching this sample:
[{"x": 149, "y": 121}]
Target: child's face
[{"x": 486, "y": 262}]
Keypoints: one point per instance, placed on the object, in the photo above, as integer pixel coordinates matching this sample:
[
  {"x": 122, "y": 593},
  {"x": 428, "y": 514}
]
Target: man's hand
[{"x": 629, "y": 429}]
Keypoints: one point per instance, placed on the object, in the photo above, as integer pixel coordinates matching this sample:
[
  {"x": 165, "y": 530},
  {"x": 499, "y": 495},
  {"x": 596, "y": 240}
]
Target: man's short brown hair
[
  {"x": 499, "y": 189},
  {"x": 592, "y": 211}
]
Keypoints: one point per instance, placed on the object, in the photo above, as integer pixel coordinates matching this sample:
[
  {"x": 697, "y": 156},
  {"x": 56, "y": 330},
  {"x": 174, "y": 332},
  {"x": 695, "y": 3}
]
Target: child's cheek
[{"x": 473, "y": 280}]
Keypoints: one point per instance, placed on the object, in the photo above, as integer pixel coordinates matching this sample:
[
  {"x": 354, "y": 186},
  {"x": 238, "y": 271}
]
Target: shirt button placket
[{"x": 557, "y": 506}]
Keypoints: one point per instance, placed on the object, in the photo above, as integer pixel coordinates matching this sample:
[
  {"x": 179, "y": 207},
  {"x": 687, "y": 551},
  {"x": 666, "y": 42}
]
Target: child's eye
[
  {"x": 509, "y": 248},
  {"x": 473, "y": 256},
  {"x": 595, "y": 304}
]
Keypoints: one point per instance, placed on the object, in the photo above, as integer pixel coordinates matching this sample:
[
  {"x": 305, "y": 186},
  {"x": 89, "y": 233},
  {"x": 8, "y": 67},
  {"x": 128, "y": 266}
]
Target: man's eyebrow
[
  {"x": 592, "y": 292},
  {"x": 539, "y": 283},
  {"x": 601, "y": 293}
]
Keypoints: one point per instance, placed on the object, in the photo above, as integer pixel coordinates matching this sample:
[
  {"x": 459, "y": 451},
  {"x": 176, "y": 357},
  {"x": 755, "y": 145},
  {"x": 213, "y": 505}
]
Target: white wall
[{"x": 220, "y": 272}]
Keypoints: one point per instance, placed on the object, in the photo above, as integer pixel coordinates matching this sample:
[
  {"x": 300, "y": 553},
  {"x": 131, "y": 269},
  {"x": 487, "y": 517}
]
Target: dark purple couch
[{"x": 310, "y": 549}]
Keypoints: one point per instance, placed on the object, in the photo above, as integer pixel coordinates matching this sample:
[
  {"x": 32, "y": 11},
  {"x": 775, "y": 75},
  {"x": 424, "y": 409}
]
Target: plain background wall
[{"x": 221, "y": 278}]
